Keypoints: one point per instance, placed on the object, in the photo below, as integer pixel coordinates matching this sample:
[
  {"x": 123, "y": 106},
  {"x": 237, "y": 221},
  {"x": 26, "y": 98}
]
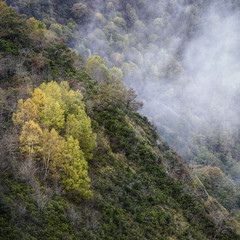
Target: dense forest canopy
[
  {"x": 181, "y": 57},
  {"x": 78, "y": 161}
]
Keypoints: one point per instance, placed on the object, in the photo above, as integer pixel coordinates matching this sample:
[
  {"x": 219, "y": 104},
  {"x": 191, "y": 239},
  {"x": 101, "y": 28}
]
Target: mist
[
  {"x": 181, "y": 58},
  {"x": 206, "y": 95}
]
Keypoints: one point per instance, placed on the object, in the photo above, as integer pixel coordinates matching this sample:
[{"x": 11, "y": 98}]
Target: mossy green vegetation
[
  {"x": 127, "y": 35},
  {"x": 78, "y": 162}
]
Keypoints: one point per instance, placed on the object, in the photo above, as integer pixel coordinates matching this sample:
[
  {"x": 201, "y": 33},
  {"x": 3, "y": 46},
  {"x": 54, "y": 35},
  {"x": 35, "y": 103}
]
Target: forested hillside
[{"x": 78, "y": 160}]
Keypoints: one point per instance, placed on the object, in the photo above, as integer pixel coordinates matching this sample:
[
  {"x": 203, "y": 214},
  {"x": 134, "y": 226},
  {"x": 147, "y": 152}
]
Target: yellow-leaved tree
[
  {"x": 53, "y": 146},
  {"x": 75, "y": 174},
  {"x": 56, "y": 135},
  {"x": 26, "y": 111},
  {"x": 30, "y": 139}
]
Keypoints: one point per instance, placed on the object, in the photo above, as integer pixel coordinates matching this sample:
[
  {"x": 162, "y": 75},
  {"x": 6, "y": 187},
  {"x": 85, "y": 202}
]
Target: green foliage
[
  {"x": 219, "y": 186},
  {"x": 131, "y": 15},
  {"x": 61, "y": 56},
  {"x": 120, "y": 22},
  {"x": 4, "y": 205},
  {"x": 100, "y": 18},
  {"x": 132, "y": 195},
  {"x": 79, "y": 126},
  {"x": 8, "y": 46},
  {"x": 96, "y": 69},
  {"x": 52, "y": 115},
  {"x": 53, "y": 219},
  {"x": 81, "y": 12},
  {"x": 89, "y": 83},
  {"x": 75, "y": 170},
  {"x": 13, "y": 26},
  {"x": 41, "y": 50}
]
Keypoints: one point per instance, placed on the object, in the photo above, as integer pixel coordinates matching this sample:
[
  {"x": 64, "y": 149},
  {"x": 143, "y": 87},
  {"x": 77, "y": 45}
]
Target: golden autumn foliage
[
  {"x": 26, "y": 111},
  {"x": 52, "y": 148},
  {"x": 56, "y": 133},
  {"x": 30, "y": 138}
]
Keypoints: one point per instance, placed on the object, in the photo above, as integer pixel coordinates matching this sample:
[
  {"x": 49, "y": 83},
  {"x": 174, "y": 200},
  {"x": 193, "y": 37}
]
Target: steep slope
[
  {"x": 154, "y": 44},
  {"x": 140, "y": 188}
]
